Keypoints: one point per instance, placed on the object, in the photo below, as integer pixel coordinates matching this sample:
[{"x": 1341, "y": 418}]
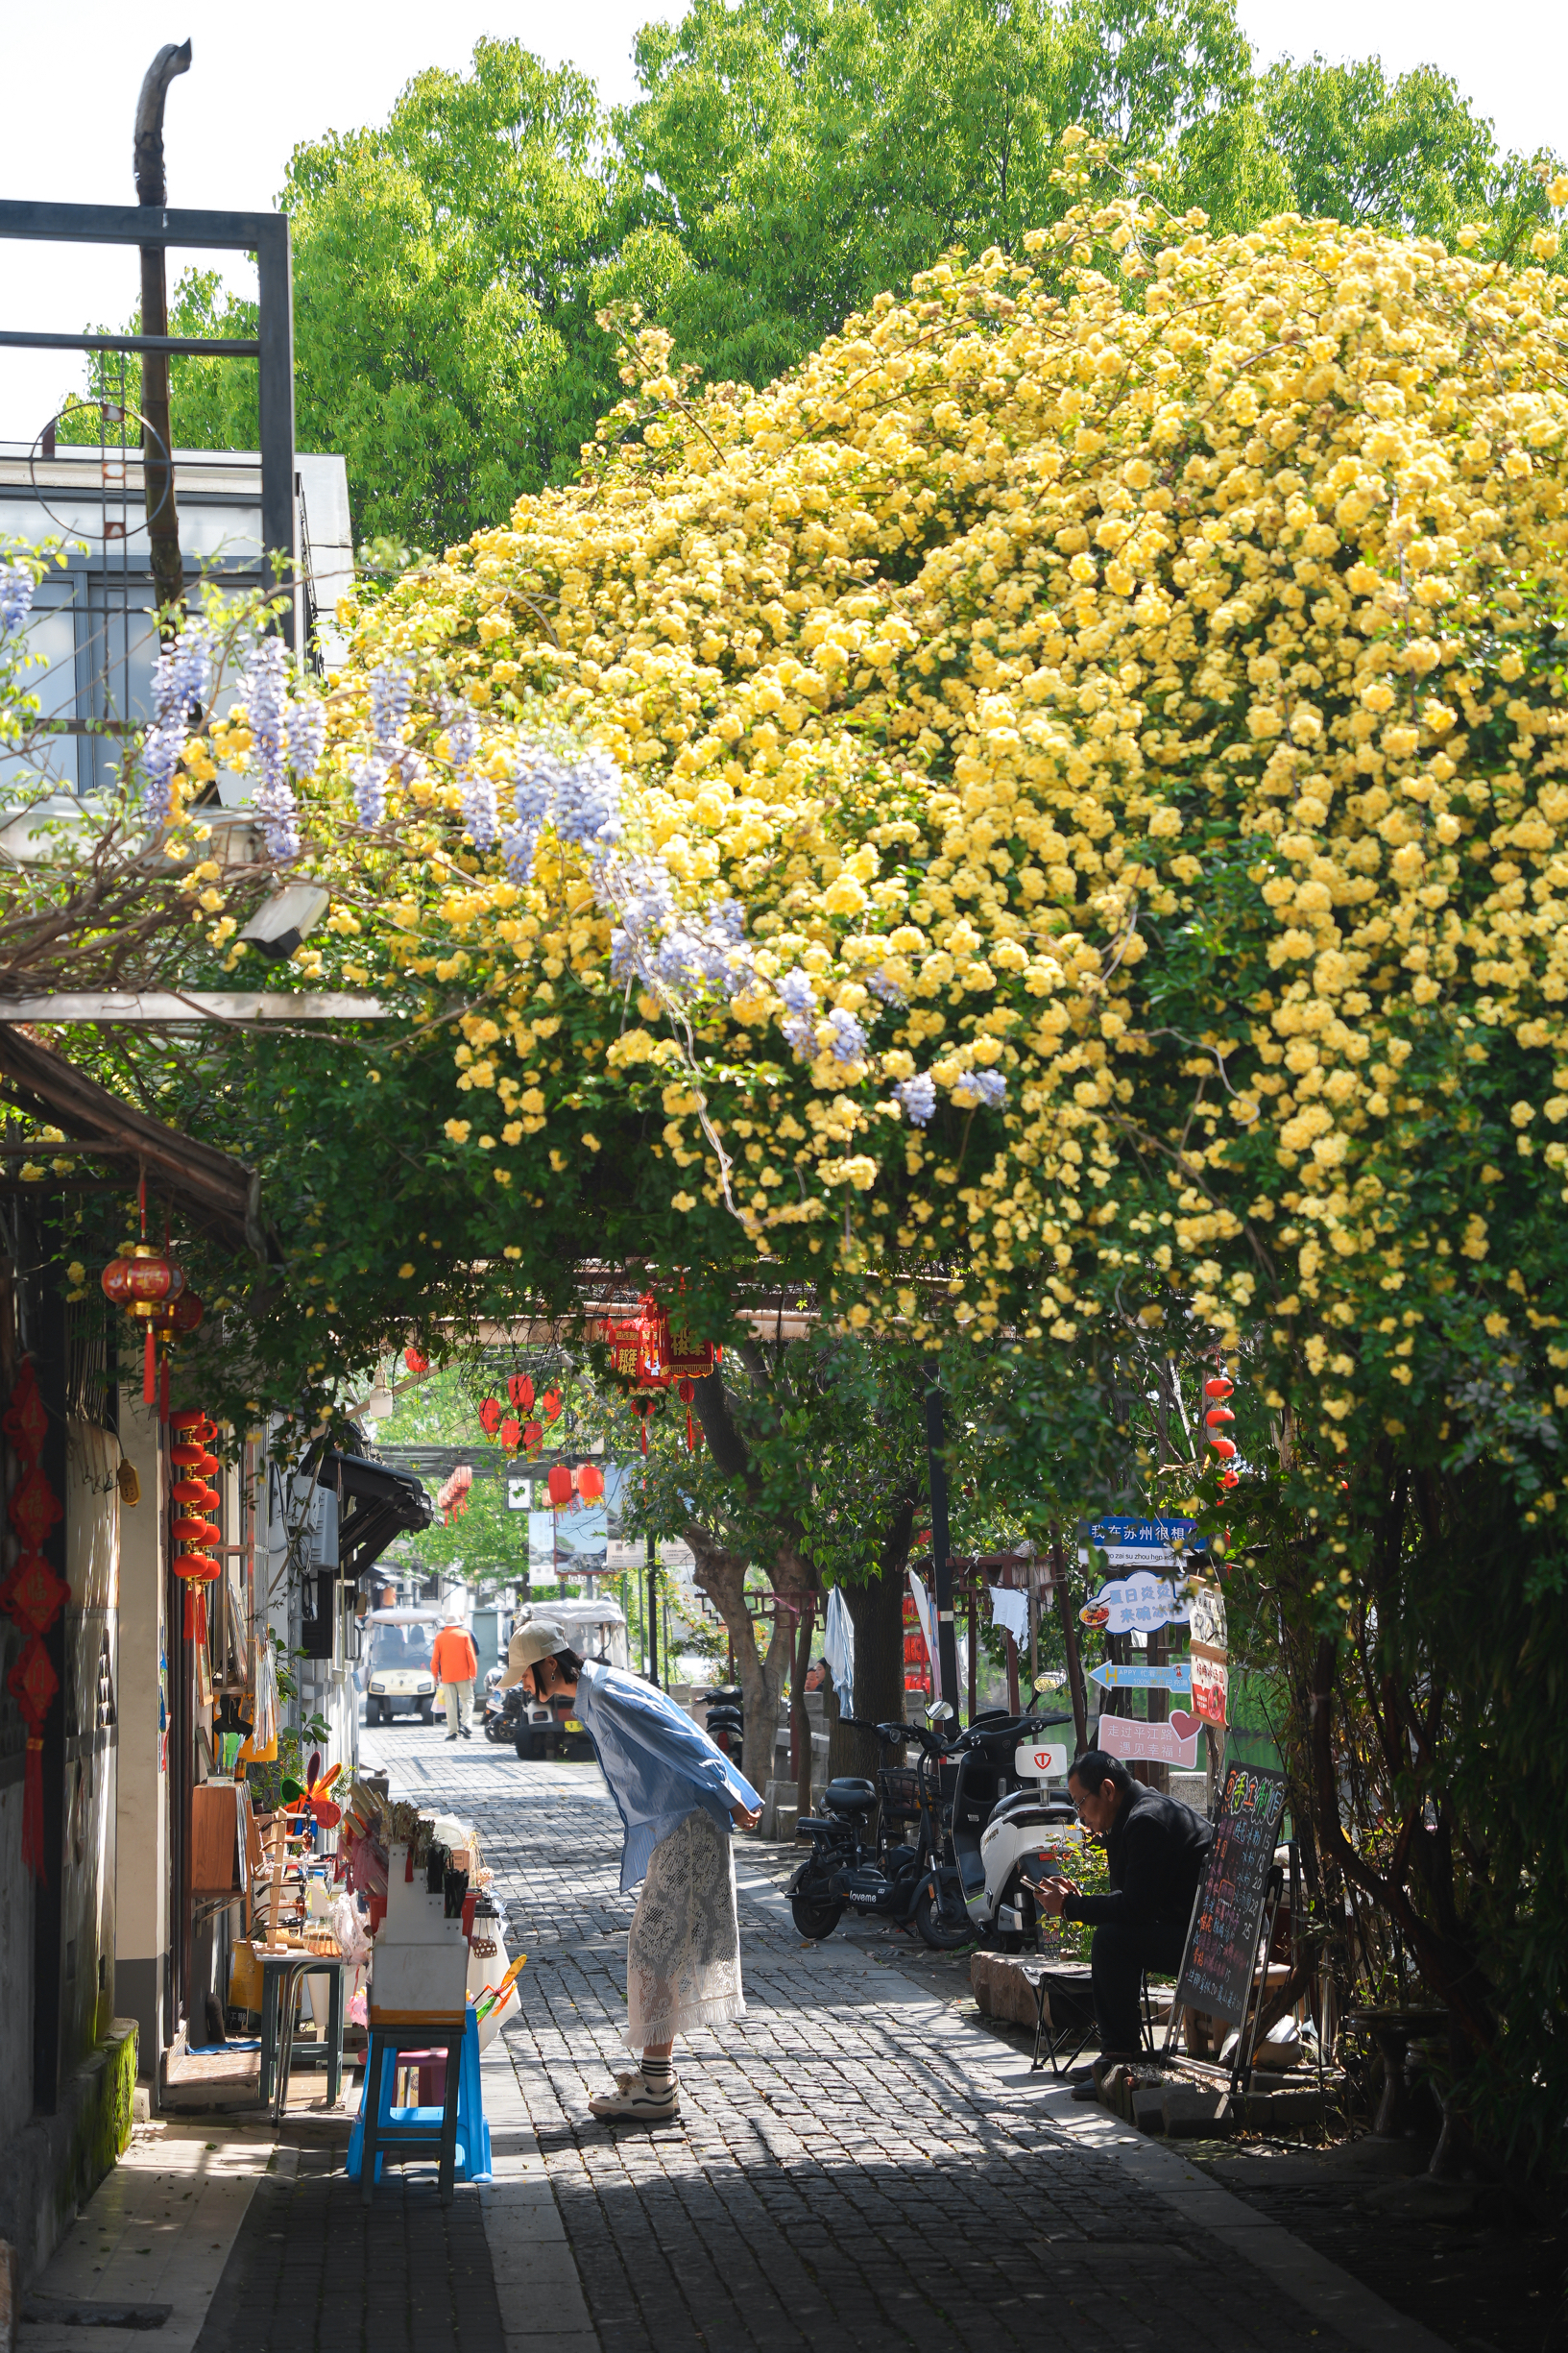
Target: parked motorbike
[
  {"x": 999, "y": 1831},
  {"x": 846, "y": 1871},
  {"x": 725, "y": 1721}
]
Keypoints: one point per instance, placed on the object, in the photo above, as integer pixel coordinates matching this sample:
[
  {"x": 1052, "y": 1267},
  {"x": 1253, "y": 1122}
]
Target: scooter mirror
[
  {"x": 1049, "y": 1683},
  {"x": 940, "y": 1711}
]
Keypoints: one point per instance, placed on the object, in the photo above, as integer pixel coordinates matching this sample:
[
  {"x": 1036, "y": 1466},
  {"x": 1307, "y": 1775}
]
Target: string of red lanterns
[
  {"x": 1216, "y": 1418},
  {"x": 191, "y": 1530}
]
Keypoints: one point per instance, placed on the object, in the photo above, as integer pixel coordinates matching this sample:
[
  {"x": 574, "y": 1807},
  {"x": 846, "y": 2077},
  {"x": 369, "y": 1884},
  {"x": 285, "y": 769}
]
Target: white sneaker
[{"x": 635, "y": 2102}]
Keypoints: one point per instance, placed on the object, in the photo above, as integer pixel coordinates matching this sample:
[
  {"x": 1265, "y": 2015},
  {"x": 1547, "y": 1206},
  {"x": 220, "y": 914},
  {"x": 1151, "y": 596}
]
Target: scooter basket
[{"x": 900, "y": 1792}]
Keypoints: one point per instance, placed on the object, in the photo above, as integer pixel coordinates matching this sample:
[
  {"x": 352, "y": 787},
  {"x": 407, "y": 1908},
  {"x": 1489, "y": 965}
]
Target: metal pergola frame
[{"x": 266, "y": 234}]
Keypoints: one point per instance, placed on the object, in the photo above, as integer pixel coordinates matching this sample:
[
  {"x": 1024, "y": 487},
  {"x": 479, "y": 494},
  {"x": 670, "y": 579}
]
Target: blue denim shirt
[{"x": 659, "y": 1766}]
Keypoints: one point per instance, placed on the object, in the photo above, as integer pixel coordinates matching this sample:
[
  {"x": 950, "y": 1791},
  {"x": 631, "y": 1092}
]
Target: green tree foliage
[
  {"x": 1404, "y": 155},
  {"x": 788, "y": 160},
  {"x": 807, "y": 156},
  {"x": 443, "y": 293}
]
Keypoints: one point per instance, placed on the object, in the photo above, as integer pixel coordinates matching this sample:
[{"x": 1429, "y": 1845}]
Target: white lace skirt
[{"x": 682, "y": 1955}]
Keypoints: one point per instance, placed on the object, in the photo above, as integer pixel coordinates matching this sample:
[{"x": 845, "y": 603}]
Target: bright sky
[{"x": 232, "y": 121}]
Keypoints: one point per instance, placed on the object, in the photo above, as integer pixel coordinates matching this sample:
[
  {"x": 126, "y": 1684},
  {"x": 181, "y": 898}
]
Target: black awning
[{"x": 375, "y": 1505}]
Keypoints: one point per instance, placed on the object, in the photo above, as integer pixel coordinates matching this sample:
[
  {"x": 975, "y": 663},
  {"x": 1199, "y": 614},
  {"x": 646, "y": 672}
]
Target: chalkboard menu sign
[{"x": 1222, "y": 1944}]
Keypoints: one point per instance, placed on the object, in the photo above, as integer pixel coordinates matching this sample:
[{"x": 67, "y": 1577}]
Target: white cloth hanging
[
  {"x": 923, "y": 1610},
  {"x": 1010, "y": 1612},
  {"x": 838, "y": 1650}
]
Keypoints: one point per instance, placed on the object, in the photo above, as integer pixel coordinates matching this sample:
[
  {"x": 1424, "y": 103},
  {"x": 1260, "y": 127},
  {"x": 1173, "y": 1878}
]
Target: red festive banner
[{"x": 33, "y": 1596}]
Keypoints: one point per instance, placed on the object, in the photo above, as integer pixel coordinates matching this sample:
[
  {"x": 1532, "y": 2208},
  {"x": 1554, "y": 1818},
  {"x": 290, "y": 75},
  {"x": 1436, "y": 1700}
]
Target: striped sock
[{"x": 658, "y": 2074}]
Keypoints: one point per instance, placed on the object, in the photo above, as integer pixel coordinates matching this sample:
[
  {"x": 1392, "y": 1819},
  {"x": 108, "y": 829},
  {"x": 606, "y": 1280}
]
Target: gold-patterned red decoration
[
  {"x": 32, "y": 1596},
  {"x": 656, "y": 1350}
]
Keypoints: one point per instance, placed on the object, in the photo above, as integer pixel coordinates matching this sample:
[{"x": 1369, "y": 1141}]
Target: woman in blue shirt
[{"x": 677, "y": 1795}]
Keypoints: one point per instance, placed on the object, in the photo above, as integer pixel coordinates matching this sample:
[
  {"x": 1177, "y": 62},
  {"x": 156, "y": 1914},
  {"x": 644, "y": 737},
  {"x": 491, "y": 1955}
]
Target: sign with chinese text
[
  {"x": 1175, "y": 1742},
  {"x": 1141, "y": 1543},
  {"x": 1211, "y": 1689},
  {"x": 1177, "y": 1676},
  {"x": 1128, "y": 1604},
  {"x": 1223, "y": 1945}
]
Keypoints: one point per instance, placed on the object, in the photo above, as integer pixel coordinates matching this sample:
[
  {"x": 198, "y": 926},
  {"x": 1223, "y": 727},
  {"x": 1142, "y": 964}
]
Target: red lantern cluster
[
  {"x": 1216, "y": 1419},
  {"x": 652, "y": 1350},
  {"x": 191, "y": 1529},
  {"x": 513, "y": 1432}
]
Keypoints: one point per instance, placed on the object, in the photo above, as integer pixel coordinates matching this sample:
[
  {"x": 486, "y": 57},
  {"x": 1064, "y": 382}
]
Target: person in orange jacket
[{"x": 456, "y": 1663}]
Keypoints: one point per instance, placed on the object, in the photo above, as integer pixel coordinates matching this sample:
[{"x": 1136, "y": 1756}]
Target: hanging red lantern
[
  {"x": 521, "y": 1390},
  {"x": 414, "y": 1362},
  {"x": 589, "y": 1482},
  {"x": 511, "y": 1436},
  {"x": 686, "y": 1391},
  {"x": 532, "y": 1433},
  {"x": 1217, "y": 1416},
  {"x": 1224, "y": 1447},
  {"x": 1217, "y": 1386},
  {"x": 141, "y": 1282},
  {"x": 550, "y": 1405},
  {"x": 196, "y": 1571},
  {"x": 490, "y": 1416},
  {"x": 559, "y": 1484}
]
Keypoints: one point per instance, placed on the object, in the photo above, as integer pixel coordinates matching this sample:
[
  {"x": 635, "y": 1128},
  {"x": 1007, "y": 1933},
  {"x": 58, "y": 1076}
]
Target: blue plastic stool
[{"x": 456, "y": 2133}]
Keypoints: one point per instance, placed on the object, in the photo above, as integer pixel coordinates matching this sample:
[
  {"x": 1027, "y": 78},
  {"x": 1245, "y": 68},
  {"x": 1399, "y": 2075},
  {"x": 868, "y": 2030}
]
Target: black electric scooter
[{"x": 845, "y": 1871}]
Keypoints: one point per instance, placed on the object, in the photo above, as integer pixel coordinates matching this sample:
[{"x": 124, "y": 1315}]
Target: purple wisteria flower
[
  {"x": 181, "y": 679},
  {"x": 264, "y": 693},
  {"x": 981, "y": 1086},
  {"x": 917, "y": 1096},
  {"x": 15, "y": 598},
  {"x": 848, "y": 1043}
]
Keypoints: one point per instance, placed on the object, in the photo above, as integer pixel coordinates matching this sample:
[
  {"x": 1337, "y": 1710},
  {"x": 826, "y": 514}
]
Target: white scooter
[{"x": 1004, "y": 1828}]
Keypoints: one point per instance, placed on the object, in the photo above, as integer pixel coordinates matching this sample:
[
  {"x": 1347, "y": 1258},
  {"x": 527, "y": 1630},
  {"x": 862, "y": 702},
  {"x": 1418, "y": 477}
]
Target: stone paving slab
[
  {"x": 157, "y": 2230},
  {"x": 853, "y": 2167}
]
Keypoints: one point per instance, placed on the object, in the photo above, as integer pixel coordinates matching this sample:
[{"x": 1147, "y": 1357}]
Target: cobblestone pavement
[
  {"x": 856, "y": 2165},
  {"x": 848, "y": 2170}
]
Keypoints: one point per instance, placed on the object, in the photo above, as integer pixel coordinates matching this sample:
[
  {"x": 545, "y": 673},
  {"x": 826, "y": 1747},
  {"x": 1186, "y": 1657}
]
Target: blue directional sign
[{"x": 1174, "y": 1678}]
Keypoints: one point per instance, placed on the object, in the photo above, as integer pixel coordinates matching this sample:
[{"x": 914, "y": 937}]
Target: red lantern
[
  {"x": 511, "y": 1436},
  {"x": 521, "y": 1390},
  {"x": 1217, "y": 1416},
  {"x": 550, "y": 1405},
  {"x": 1218, "y": 1387},
  {"x": 414, "y": 1362},
  {"x": 490, "y": 1416},
  {"x": 196, "y": 1571},
  {"x": 532, "y": 1433},
  {"x": 559, "y": 1484},
  {"x": 1224, "y": 1447},
  {"x": 589, "y": 1482}
]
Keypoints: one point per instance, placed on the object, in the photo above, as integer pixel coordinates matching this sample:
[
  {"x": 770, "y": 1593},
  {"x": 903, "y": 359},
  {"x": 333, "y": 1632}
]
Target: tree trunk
[
  {"x": 762, "y": 1674},
  {"x": 800, "y": 1721},
  {"x": 1070, "y": 1638},
  {"x": 877, "y": 1614}
]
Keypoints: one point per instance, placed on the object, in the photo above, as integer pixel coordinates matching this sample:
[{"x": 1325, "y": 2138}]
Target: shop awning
[
  {"x": 375, "y": 1505},
  {"x": 218, "y": 1195}
]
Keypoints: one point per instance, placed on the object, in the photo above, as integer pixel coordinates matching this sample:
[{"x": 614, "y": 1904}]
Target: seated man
[{"x": 1155, "y": 1850}]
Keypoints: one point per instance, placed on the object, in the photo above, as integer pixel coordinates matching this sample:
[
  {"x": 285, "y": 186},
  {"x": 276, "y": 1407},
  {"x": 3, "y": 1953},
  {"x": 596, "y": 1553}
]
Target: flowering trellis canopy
[{"x": 1058, "y": 805}]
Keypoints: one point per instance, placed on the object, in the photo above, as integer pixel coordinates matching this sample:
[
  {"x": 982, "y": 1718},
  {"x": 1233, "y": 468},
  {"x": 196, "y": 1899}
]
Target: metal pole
[
  {"x": 158, "y": 437},
  {"x": 653, "y": 1612},
  {"x": 936, "y": 1473},
  {"x": 274, "y": 421}
]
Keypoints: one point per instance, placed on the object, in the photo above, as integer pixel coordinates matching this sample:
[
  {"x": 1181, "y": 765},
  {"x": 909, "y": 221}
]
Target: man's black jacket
[{"x": 1154, "y": 1854}]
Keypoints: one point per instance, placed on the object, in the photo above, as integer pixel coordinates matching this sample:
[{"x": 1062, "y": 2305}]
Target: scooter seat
[{"x": 850, "y": 1796}]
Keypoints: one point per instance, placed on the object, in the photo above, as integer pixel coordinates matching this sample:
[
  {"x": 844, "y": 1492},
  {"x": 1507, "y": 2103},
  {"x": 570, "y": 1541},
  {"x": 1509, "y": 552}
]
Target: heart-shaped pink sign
[{"x": 1184, "y": 1726}]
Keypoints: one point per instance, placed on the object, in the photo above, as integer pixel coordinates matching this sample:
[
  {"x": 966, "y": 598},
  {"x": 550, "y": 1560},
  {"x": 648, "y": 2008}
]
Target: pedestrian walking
[
  {"x": 677, "y": 1796},
  {"x": 456, "y": 1663}
]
